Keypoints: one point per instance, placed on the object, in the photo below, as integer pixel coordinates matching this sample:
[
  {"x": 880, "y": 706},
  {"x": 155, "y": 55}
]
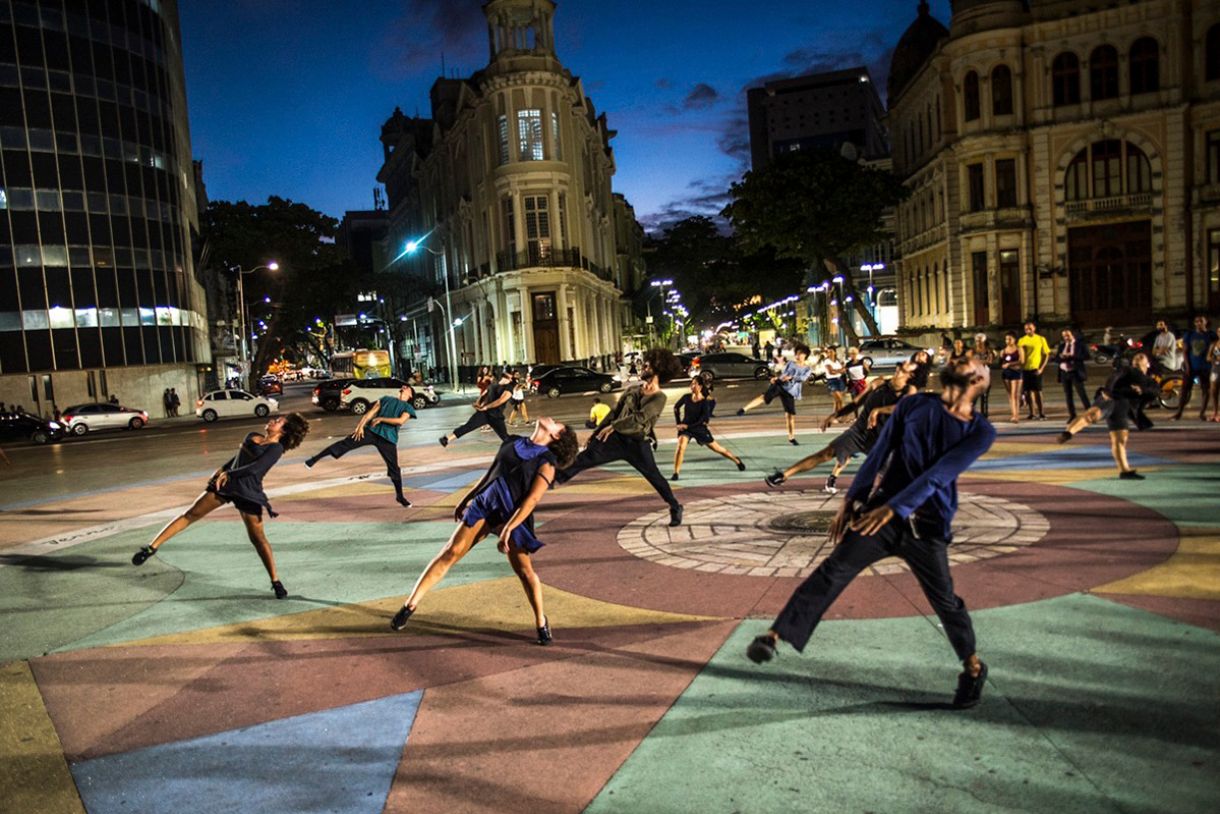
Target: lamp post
[
  {"x": 661, "y": 284},
  {"x": 244, "y": 352},
  {"x": 410, "y": 248}
]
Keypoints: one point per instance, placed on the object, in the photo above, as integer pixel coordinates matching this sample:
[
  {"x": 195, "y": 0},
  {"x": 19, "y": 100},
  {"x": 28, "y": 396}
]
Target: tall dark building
[{"x": 98, "y": 293}]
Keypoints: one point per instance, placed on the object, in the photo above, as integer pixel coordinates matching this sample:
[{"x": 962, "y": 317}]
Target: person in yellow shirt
[
  {"x": 1037, "y": 354},
  {"x": 598, "y": 412}
]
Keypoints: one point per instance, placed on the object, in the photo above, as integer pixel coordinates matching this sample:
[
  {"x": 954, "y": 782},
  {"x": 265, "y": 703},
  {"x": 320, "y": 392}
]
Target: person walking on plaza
[
  {"x": 503, "y": 503},
  {"x": 1012, "y": 372},
  {"x": 240, "y": 482},
  {"x": 623, "y": 435},
  {"x": 378, "y": 427},
  {"x": 1036, "y": 355},
  {"x": 786, "y": 385},
  {"x": 901, "y": 504},
  {"x": 1195, "y": 345},
  {"x": 1120, "y": 401},
  {"x": 518, "y": 400},
  {"x": 488, "y": 410},
  {"x": 1070, "y": 356},
  {"x": 692, "y": 414},
  {"x": 859, "y": 438}
]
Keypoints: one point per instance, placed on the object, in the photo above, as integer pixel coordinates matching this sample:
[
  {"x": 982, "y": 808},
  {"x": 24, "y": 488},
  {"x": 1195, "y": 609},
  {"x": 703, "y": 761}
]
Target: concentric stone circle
[{"x": 778, "y": 534}]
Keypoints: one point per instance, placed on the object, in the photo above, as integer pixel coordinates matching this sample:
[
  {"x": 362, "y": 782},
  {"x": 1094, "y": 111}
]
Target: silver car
[
  {"x": 728, "y": 365},
  {"x": 886, "y": 352}
]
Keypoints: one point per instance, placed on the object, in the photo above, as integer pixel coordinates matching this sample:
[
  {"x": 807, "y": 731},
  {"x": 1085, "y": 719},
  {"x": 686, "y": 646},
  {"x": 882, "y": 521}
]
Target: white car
[
  {"x": 230, "y": 403},
  {"x": 361, "y": 394},
  {"x": 83, "y": 418}
]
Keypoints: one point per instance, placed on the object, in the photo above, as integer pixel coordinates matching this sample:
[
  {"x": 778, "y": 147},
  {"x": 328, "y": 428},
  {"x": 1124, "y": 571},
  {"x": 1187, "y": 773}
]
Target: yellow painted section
[
  {"x": 1193, "y": 572},
  {"x": 34, "y": 775},
  {"x": 491, "y": 604},
  {"x": 1005, "y": 449}
]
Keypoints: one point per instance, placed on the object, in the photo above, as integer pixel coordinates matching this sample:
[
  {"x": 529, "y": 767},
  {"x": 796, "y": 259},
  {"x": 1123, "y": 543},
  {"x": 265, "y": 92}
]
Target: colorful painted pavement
[{"x": 183, "y": 686}]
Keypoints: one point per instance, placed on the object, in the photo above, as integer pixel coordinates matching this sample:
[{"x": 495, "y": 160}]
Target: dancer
[
  {"x": 383, "y": 420},
  {"x": 488, "y": 410},
  {"x": 1012, "y": 369},
  {"x": 692, "y": 414},
  {"x": 1195, "y": 344},
  {"x": 901, "y": 504},
  {"x": 857, "y": 370},
  {"x": 787, "y": 386},
  {"x": 1037, "y": 354},
  {"x": 1213, "y": 356},
  {"x": 1071, "y": 355},
  {"x": 503, "y": 503},
  {"x": 923, "y": 369},
  {"x": 1120, "y": 401},
  {"x": 623, "y": 435},
  {"x": 861, "y": 435},
  {"x": 240, "y": 482},
  {"x": 834, "y": 378},
  {"x": 518, "y": 400}
]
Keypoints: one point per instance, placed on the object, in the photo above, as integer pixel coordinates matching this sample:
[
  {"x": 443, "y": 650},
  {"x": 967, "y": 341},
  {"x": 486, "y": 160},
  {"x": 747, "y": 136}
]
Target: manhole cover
[{"x": 803, "y": 522}]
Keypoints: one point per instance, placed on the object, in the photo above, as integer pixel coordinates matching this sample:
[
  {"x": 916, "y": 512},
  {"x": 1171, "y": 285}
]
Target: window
[
  {"x": 502, "y": 131},
  {"x": 1211, "y": 60},
  {"x": 1001, "y": 91},
  {"x": 1103, "y": 73},
  {"x": 1139, "y": 170},
  {"x": 1213, "y": 157},
  {"x": 563, "y": 216},
  {"x": 510, "y": 226},
  {"x": 537, "y": 228},
  {"x": 1107, "y": 175},
  {"x": 529, "y": 134},
  {"x": 970, "y": 96},
  {"x": 978, "y": 266},
  {"x": 1145, "y": 66},
  {"x": 975, "y": 187},
  {"x": 1213, "y": 263},
  {"x": 555, "y": 141},
  {"x": 1076, "y": 182},
  {"x": 1006, "y": 182}
]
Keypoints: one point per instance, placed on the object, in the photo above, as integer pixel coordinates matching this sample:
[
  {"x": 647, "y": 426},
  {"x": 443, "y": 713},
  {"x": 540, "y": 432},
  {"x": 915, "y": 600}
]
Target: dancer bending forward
[
  {"x": 503, "y": 503},
  {"x": 240, "y": 482},
  {"x": 692, "y": 414}
]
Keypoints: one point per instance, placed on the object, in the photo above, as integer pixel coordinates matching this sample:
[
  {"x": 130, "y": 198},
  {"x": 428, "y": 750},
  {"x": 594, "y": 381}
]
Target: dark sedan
[
  {"x": 329, "y": 394},
  {"x": 571, "y": 379},
  {"x": 729, "y": 365},
  {"x": 25, "y": 427}
]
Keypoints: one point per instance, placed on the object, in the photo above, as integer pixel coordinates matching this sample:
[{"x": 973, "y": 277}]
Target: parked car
[
  {"x": 885, "y": 352},
  {"x": 730, "y": 365},
  {"x": 329, "y": 394},
  {"x": 360, "y": 394},
  {"x": 83, "y": 418},
  {"x": 25, "y": 427},
  {"x": 233, "y": 402},
  {"x": 572, "y": 379},
  {"x": 270, "y": 386}
]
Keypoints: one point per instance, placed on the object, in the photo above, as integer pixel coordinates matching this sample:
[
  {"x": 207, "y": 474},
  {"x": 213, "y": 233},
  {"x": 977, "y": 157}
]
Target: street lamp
[
  {"x": 410, "y": 248},
  {"x": 241, "y": 303}
]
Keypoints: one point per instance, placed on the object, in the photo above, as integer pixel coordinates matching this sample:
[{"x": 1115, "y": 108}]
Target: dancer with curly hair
[
  {"x": 503, "y": 503},
  {"x": 240, "y": 482},
  {"x": 692, "y": 414}
]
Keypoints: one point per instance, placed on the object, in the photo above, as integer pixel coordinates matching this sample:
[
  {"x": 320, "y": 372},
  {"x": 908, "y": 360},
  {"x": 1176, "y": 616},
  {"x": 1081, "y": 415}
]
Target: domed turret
[{"x": 913, "y": 49}]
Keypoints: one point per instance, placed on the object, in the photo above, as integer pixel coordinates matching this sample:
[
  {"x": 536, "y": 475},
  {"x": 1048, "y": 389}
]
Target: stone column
[
  {"x": 527, "y": 326},
  {"x": 566, "y": 351}
]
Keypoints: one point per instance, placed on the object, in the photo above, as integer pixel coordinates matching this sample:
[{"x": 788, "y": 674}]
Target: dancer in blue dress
[{"x": 503, "y": 503}]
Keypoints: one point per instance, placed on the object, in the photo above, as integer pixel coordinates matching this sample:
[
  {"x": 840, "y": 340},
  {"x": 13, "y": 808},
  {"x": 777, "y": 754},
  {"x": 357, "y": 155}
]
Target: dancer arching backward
[
  {"x": 623, "y": 435},
  {"x": 901, "y": 504},
  {"x": 860, "y": 437},
  {"x": 503, "y": 503},
  {"x": 382, "y": 422},
  {"x": 488, "y": 409},
  {"x": 787, "y": 388},
  {"x": 240, "y": 482},
  {"x": 692, "y": 414},
  {"x": 1120, "y": 401}
]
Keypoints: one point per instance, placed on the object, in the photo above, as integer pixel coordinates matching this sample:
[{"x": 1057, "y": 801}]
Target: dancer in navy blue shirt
[{"x": 901, "y": 504}]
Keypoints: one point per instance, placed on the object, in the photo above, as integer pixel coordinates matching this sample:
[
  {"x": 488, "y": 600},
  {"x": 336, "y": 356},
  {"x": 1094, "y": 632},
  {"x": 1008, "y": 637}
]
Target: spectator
[
  {"x": 174, "y": 402},
  {"x": 982, "y": 357},
  {"x": 167, "y": 403},
  {"x": 114, "y": 399},
  {"x": 757, "y": 350},
  {"x": 1070, "y": 356},
  {"x": 1213, "y": 356},
  {"x": 1037, "y": 354},
  {"x": 769, "y": 350},
  {"x": 1195, "y": 345},
  {"x": 1165, "y": 356},
  {"x": 1012, "y": 366},
  {"x": 597, "y": 414},
  {"x": 55, "y": 414}
]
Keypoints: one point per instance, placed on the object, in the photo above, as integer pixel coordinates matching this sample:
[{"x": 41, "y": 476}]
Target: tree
[{"x": 814, "y": 206}]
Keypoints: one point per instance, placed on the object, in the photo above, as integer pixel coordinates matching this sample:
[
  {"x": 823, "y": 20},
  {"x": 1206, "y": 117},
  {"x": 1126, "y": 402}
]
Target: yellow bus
[{"x": 360, "y": 364}]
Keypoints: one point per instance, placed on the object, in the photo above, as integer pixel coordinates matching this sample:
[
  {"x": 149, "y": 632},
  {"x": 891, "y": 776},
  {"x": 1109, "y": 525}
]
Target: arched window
[
  {"x": 1001, "y": 91},
  {"x": 1139, "y": 170},
  {"x": 1076, "y": 182},
  {"x": 970, "y": 95},
  {"x": 1145, "y": 66},
  {"x": 1103, "y": 73},
  {"x": 1102, "y": 163},
  {"x": 1065, "y": 79},
  {"x": 1211, "y": 59},
  {"x": 1107, "y": 168}
]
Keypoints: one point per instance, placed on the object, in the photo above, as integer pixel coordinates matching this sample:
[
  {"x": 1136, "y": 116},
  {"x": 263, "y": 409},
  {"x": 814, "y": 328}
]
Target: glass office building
[{"x": 98, "y": 293}]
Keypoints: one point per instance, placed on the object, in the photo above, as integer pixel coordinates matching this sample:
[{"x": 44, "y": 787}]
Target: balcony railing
[
  {"x": 1136, "y": 200},
  {"x": 537, "y": 256}
]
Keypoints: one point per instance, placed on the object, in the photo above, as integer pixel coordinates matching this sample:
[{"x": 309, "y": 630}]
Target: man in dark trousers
[
  {"x": 1070, "y": 358},
  {"x": 382, "y": 422},
  {"x": 488, "y": 410},
  {"x": 901, "y": 504},
  {"x": 624, "y": 434}
]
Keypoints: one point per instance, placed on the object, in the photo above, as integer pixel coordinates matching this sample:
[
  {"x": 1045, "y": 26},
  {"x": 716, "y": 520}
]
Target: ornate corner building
[
  {"x": 507, "y": 186},
  {"x": 1063, "y": 159}
]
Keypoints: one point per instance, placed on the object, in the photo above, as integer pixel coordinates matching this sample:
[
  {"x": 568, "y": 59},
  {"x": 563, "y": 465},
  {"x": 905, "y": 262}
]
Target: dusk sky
[{"x": 287, "y": 97}]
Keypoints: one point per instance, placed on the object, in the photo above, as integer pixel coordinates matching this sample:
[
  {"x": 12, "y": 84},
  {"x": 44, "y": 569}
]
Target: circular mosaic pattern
[{"x": 759, "y": 534}]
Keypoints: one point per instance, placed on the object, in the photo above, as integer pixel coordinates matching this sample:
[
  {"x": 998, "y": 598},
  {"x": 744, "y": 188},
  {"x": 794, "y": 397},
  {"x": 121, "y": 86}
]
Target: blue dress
[{"x": 506, "y": 484}]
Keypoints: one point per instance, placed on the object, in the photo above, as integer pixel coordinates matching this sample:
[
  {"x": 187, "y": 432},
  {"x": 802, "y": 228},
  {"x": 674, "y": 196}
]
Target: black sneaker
[
  {"x": 741, "y": 466},
  {"x": 141, "y": 556},
  {"x": 829, "y": 488},
  {"x": 280, "y": 591},
  {"x": 741, "y": 411},
  {"x": 775, "y": 479},
  {"x": 1130, "y": 474},
  {"x": 544, "y": 632},
  {"x": 309, "y": 462},
  {"x": 970, "y": 688},
  {"x": 402, "y": 501},
  {"x": 400, "y": 619},
  {"x": 444, "y": 439},
  {"x": 794, "y": 442},
  {"x": 675, "y": 515},
  {"x": 674, "y": 476},
  {"x": 761, "y": 650},
  {"x": 1064, "y": 437}
]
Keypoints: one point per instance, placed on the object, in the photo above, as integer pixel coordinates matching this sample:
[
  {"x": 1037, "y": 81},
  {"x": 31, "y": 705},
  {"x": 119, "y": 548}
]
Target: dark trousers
[
  {"x": 635, "y": 451},
  {"x": 492, "y": 418},
  {"x": 927, "y": 558},
  {"x": 388, "y": 451},
  {"x": 1188, "y": 387},
  {"x": 1070, "y": 384}
]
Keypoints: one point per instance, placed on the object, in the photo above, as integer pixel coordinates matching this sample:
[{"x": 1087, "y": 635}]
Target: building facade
[
  {"x": 523, "y": 245},
  {"x": 98, "y": 292},
  {"x": 1063, "y": 161}
]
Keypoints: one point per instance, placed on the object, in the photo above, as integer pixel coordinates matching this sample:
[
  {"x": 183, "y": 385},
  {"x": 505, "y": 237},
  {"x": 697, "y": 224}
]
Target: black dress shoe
[
  {"x": 544, "y": 632},
  {"x": 675, "y": 515},
  {"x": 741, "y": 466},
  {"x": 674, "y": 476},
  {"x": 444, "y": 440},
  {"x": 970, "y": 688},
  {"x": 1130, "y": 474},
  {"x": 400, "y": 619},
  {"x": 775, "y": 479},
  {"x": 741, "y": 411},
  {"x": 141, "y": 556},
  {"x": 761, "y": 650},
  {"x": 280, "y": 591}
]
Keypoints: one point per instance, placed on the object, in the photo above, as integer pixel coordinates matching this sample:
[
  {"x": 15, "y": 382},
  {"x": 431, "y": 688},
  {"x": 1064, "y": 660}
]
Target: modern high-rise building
[{"x": 98, "y": 293}]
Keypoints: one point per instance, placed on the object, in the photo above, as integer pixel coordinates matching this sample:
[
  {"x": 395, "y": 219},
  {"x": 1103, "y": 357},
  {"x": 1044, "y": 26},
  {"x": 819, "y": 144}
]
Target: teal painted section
[
  {"x": 1091, "y": 706},
  {"x": 1187, "y": 494},
  {"x": 341, "y": 760}
]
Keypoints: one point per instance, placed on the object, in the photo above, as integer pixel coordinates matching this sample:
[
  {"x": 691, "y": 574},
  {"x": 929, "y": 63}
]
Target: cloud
[
  {"x": 700, "y": 97},
  {"x": 664, "y": 84},
  {"x": 706, "y": 198},
  {"x": 428, "y": 29},
  {"x": 873, "y": 50}
]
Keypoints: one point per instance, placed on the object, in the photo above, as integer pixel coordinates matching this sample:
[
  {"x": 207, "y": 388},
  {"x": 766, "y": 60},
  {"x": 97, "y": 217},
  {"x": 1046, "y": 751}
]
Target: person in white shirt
[{"x": 1165, "y": 349}]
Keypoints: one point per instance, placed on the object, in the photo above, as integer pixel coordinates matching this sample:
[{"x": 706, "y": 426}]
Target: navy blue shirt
[{"x": 914, "y": 466}]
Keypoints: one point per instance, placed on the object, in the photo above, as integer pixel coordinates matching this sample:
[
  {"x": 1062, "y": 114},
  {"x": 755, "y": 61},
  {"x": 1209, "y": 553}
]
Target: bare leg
[
  {"x": 790, "y": 423},
  {"x": 525, "y": 413},
  {"x": 203, "y": 505},
  {"x": 1215, "y": 395},
  {"x": 754, "y": 402},
  {"x": 837, "y": 395},
  {"x": 520, "y": 561},
  {"x": 719, "y": 450},
  {"x": 460, "y": 542},
  {"x": 809, "y": 462},
  {"x": 1118, "y": 448},
  {"x": 1084, "y": 419},
  {"x": 680, "y": 453},
  {"x": 254, "y": 530}
]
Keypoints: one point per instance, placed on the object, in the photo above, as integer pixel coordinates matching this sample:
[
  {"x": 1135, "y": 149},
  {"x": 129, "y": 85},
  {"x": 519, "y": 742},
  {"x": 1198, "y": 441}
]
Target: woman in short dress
[
  {"x": 1213, "y": 356},
  {"x": 240, "y": 482},
  {"x": 834, "y": 378},
  {"x": 503, "y": 503},
  {"x": 1012, "y": 365},
  {"x": 692, "y": 414},
  {"x": 856, "y": 372},
  {"x": 518, "y": 402}
]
